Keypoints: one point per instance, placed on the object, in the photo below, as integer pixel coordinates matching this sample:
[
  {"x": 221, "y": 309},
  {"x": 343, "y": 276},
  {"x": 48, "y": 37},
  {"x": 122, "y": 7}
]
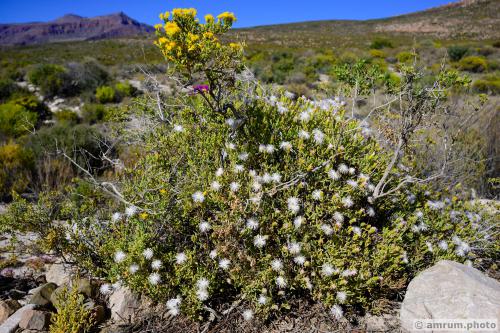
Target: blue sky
[{"x": 248, "y": 12}]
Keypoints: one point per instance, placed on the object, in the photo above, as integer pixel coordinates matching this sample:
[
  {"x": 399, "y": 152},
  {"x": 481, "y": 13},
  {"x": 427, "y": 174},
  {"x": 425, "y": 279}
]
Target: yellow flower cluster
[
  {"x": 184, "y": 12},
  {"x": 171, "y": 28},
  {"x": 209, "y": 18},
  {"x": 164, "y": 16},
  {"x": 227, "y": 17}
]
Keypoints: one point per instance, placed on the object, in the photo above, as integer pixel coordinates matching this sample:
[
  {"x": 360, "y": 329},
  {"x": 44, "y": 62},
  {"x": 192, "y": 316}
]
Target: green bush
[
  {"x": 16, "y": 164},
  {"x": 457, "y": 52},
  {"x": 406, "y": 57},
  {"x": 377, "y": 53},
  {"x": 105, "y": 94},
  {"x": 7, "y": 88},
  {"x": 487, "y": 86},
  {"x": 66, "y": 116},
  {"x": 52, "y": 80},
  {"x": 72, "y": 315},
  {"x": 473, "y": 64},
  {"x": 16, "y": 121},
  {"x": 381, "y": 43},
  {"x": 93, "y": 113},
  {"x": 258, "y": 195},
  {"x": 32, "y": 104},
  {"x": 87, "y": 76},
  {"x": 125, "y": 89}
]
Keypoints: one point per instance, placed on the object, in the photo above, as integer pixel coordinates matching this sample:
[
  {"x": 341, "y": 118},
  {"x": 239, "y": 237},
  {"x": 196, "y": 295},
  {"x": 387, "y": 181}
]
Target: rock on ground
[
  {"x": 58, "y": 273},
  {"x": 7, "y": 308},
  {"x": 11, "y": 324},
  {"x": 35, "y": 320},
  {"x": 125, "y": 305},
  {"x": 450, "y": 290}
]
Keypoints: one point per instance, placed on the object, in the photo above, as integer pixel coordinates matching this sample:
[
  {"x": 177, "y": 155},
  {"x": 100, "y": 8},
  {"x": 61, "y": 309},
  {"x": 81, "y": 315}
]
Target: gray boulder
[
  {"x": 11, "y": 324},
  {"x": 41, "y": 295},
  {"x": 126, "y": 305},
  {"x": 7, "y": 308},
  {"x": 35, "y": 320},
  {"x": 450, "y": 290},
  {"x": 58, "y": 273}
]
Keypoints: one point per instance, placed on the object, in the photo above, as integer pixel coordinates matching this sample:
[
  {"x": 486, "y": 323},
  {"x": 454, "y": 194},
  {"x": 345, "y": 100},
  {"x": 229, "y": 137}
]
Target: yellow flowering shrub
[{"x": 198, "y": 54}]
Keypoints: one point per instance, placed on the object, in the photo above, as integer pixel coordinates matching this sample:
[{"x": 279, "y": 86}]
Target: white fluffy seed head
[
  {"x": 219, "y": 172},
  {"x": 130, "y": 211},
  {"x": 277, "y": 265},
  {"x": 298, "y": 221},
  {"x": 105, "y": 289},
  {"x": 259, "y": 241},
  {"x": 148, "y": 253},
  {"x": 293, "y": 205},
  {"x": 338, "y": 217},
  {"x": 133, "y": 268},
  {"x": 224, "y": 263},
  {"x": 120, "y": 256},
  {"x": 198, "y": 196},
  {"x": 202, "y": 283},
  {"x": 327, "y": 230},
  {"x": 337, "y": 312},
  {"x": 343, "y": 169},
  {"x": 156, "y": 264},
  {"x": 116, "y": 216},
  {"x": 234, "y": 187},
  {"x": 299, "y": 260},
  {"x": 202, "y": 294},
  {"x": 294, "y": 248},
  {"x": 327, "y": 270},
  {"x": 248, "y": 315},
  {"x": 285, "y": 145},
  {"x": 317, "y": 194},
  {"x": 238, "y": 168},
  {"x": 154, "y": 279},
  {"x": 341, "y": 297},
  {"x": 215, "y": 186},
  {"x": 281, "y": 282},
  {"x": 262, "y": 300},
  {"x": 180, "y": 258},
  {"x": 347, "y": 202},
  {"x": 213, "y": 254},
  {"x": 204, "y": 226},
  {"x": 252, "y": 224},
  {"x": 334, "y": 175},
  {"x": 304, "y": 135}
]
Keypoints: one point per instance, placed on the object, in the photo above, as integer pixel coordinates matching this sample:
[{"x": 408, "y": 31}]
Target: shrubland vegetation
[{"x": 226, "y": 188}]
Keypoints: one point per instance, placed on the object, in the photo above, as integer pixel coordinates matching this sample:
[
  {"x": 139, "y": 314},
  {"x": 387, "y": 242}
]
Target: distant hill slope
[
  {"x": 467, "y": 19},
  {"x": 72, "y": 28}
]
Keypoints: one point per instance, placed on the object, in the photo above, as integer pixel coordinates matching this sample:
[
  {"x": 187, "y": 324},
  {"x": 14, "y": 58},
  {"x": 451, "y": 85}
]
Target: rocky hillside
[
  {"x": 72, "y": 28},
  {"x": 466, "y": 19}
]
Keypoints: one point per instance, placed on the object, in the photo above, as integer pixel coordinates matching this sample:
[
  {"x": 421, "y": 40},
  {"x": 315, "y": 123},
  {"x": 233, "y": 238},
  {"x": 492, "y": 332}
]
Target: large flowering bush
[{"x": 268, "y": 200}]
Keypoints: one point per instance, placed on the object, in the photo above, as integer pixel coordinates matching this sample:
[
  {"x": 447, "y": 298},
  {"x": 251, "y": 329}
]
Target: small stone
[
  {"x": 35, "y": 320},
  {"x": 7, "y": 308}
]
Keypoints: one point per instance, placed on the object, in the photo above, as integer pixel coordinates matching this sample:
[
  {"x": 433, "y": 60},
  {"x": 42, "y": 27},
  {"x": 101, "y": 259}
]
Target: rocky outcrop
[{"x": 450, "y": 290}]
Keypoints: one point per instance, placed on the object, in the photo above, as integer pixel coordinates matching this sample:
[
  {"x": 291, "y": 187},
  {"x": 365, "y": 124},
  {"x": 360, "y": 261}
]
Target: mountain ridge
[{"x": 72, "y": 27}]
